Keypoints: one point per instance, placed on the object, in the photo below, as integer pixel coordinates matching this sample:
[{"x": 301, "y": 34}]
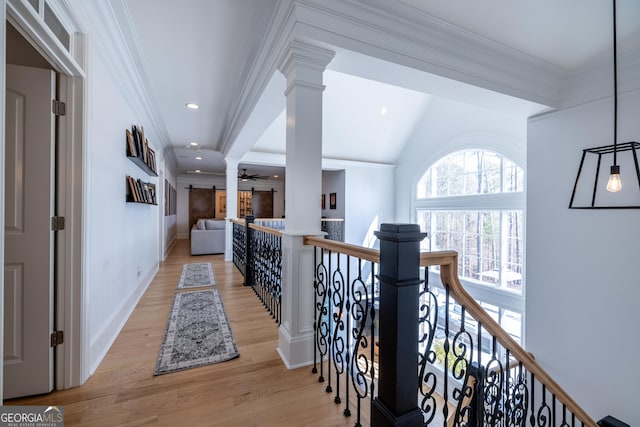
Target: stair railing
[
  {"x": 239, "y": 244},
  {"x": 257, "y": 253},
  {"x": 266, "y": 258},
  {"x": 510, "y": 388},
  {"x": 471, "y": 374}
]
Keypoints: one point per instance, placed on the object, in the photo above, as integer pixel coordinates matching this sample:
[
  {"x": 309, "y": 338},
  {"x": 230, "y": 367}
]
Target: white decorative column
[
  {"x": 303, "y": 66},
  {"x": 232, "y": 204}
]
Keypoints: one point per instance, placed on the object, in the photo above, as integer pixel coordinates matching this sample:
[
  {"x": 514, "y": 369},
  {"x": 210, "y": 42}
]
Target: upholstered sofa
[{"x": 207, "y": 237}]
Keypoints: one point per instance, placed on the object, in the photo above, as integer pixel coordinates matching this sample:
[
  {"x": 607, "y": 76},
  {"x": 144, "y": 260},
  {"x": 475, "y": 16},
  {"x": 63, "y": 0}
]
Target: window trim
[
  {"x": 504, "y": 201},
  {"x": 498, "y": 201}
]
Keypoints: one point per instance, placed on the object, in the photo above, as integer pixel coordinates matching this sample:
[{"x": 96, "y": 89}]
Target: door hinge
[
  {"x": 57, "y": 223},
  {"x": 59, "y": 108},
  {"x": 57, "y": 338}
]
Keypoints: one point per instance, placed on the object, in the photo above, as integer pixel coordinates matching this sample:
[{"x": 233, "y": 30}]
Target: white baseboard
[
  {"x": 105, "y": 339},
  {"x": 295, "y": 352}
]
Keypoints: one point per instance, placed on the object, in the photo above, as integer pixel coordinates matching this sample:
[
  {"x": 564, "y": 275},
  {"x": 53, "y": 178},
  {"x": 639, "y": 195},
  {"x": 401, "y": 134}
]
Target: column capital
[{"x": 301, "y": 54}]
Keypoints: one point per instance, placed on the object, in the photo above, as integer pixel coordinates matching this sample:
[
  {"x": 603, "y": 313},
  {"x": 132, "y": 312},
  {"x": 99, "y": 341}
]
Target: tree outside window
[{"x": 473, "y": 202}]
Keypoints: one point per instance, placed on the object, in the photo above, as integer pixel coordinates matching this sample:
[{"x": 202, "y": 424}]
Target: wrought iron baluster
[
  {"x": 564, "y": 417},
  {"x": 322, "y": 311},
  {"x": 463, "y": 353},
  {"x": 427, "y": 380},
  {"x": 445, "y": 392},
  {"x": 544, "y": 416},
  {"x": 361, "y": 365},
  {"x": 374, "y": 284},
  {"x": 493, "y": 413},
  {"x": 314, "y": 370},
  {"x": 239, "y": 251},
  {"x": 338, "y": 288},
  {"x": 518, "y": 399},
  {"x": 268, "y": 285},
  {"x": 507, "y": 387},
  {"x": 329, "y": 388},
  {"x": 278, "y": 277},
  {"x": 349, "y": 343},
  {"x": 532, "y": 417}
]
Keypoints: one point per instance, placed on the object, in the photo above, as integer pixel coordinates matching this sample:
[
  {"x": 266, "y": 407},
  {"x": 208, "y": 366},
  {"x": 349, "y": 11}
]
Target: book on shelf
[
  {"x": 138, "y": 146},
  {"x": 133, "y": 189},
  {"x": 143, "y": 193},
  {"x": 152, "y": 159},
  {"x": 131, "y": 147}
]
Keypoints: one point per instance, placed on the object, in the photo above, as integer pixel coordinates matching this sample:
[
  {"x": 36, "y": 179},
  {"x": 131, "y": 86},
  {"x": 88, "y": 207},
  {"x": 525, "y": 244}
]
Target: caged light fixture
[{"x": 614, "y": 184}]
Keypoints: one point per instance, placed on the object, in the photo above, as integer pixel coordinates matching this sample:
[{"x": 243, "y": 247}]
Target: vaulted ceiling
[{"x": 204, "y": 51}]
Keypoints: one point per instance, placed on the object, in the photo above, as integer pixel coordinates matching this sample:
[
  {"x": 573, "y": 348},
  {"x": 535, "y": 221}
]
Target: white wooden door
[{"x": 28, "y": 264}]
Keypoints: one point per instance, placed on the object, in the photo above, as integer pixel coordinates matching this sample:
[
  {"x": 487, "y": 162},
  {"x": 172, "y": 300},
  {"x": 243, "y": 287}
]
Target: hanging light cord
[{"x": 615, "y": 89}]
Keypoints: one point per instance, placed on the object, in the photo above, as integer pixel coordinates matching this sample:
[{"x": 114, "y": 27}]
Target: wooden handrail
[
  {"x": 372, "y": 255},
  {"x": 242, "y": 221},
  {"x": 284, "y": 219},
  {"x": 266, "y": 229},
  {"x": 449, "y": 275},
  {"x": 437, "y": 258}
]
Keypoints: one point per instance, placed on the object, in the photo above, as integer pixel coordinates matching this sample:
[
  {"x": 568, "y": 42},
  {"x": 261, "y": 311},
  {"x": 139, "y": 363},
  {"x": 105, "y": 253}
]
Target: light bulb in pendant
[{"x": 614, "y": 184}]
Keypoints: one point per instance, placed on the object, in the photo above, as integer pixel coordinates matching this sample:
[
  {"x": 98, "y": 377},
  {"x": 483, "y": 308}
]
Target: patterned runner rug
[
  {"x": 198, "y": 333},
  {"x": 196, "y": 275}
]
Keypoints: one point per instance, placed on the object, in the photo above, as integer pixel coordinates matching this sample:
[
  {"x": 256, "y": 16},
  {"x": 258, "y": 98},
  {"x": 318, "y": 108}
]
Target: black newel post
[
  {"x": 397, "y": 401},
  {"x": 248, "y": 266}
]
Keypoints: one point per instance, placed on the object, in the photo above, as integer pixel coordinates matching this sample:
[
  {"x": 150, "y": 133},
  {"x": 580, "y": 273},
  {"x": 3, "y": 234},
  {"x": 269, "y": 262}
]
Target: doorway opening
[{"x": 34, "y": 49}]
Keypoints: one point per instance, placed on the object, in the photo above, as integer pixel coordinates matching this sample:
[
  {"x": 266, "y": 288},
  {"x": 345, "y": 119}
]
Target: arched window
[{"x": 473, "y": 202}]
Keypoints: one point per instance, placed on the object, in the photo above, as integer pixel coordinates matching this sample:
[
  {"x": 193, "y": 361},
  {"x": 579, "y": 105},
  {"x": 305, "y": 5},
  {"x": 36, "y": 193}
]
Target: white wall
[
  {"x": 583, "y": 285},
  {"x": 449, "y": 126},
  {"x": 170, "y": 222},
  {"x": 369, "y": 201},
  {"x": 333, "y": 182},
  {"x": 121, "y": 238}
]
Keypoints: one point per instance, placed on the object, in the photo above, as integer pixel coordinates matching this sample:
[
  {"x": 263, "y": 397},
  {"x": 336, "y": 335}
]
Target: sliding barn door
[
  {"x": 202, "y": 204},
  {"x": 262, "y": 204}
]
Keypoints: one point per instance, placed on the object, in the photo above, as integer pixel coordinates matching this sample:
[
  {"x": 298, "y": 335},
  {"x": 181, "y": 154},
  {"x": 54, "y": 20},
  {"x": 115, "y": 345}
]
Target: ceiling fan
[{"x": 244, "y": 176}]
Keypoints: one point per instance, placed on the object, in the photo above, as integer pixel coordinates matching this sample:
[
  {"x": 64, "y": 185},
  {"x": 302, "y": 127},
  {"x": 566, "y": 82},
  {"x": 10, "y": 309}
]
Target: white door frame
[
  {"x": 71, "y": 364},
  {"x": 3, "y": 61}
]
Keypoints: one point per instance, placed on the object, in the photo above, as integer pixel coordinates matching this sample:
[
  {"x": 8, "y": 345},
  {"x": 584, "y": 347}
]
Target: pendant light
[{"x": 615, "y": 184}]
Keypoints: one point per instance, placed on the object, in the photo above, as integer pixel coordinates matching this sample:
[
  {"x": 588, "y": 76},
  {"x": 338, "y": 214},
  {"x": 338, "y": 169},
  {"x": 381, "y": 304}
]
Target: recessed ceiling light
[
  {"x": 383, "y": 111},
  {"x": 192, "y": 106},
  {"x": 193, "y": 144},
  {"x": 198, "y": 158}
]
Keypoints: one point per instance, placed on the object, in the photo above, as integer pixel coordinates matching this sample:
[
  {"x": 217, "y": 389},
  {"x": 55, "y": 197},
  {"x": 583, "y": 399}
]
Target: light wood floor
[{"x": 253, "y": 390}]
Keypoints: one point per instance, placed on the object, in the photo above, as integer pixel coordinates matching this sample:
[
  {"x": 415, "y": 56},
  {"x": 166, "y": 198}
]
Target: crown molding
[
  {"x": 279, "y": 159},
  {"x": 276, "y": 24},
  {"x": 596, "y": 82},
  {"x": 111, "y": 29},
  {"x": 397, "y": 34}
]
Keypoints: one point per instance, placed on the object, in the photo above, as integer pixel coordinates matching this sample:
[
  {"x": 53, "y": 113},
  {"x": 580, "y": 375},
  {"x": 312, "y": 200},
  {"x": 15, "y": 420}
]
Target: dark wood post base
[{"x": 382, "y": 417}]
